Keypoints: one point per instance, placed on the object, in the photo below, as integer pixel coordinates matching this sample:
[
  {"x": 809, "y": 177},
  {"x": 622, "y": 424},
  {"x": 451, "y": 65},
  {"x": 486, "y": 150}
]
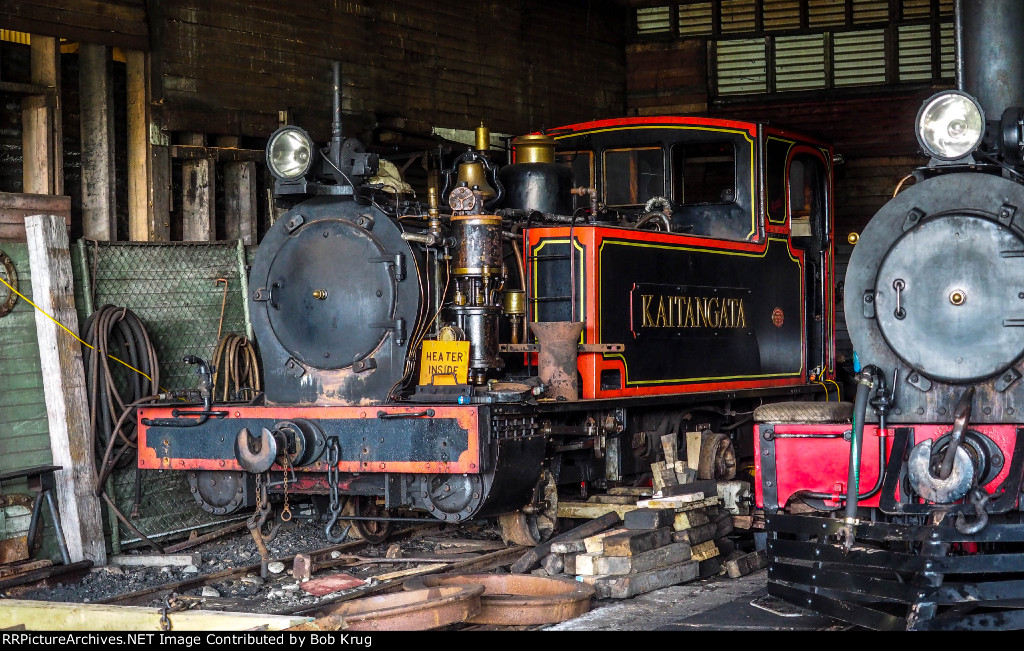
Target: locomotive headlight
[
  {"x": 289, "y": 153},
  {"x": 950, "y": 125}
]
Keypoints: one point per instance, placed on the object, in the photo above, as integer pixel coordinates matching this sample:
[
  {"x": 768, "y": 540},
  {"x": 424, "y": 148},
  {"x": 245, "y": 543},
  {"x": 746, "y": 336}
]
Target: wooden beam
[
  {"x": 15, "y": 207},
  {"x": 140, "y": 208},
  {"x": 97, "y": 117},
  {"x": 42, "y": 151},
  {"x": 67, "y": 407},
  {"x": 240, "y": 210},
  {"x": 198, "y": 179},
  {"x": 57, "y": 616}
]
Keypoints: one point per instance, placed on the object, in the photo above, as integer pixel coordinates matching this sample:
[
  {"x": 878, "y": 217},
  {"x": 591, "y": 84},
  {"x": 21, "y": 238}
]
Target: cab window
[
  {"x": 704, "y": 172},
  {"x": 582, "y": 165},
  {"x": 633, "y": 176}
]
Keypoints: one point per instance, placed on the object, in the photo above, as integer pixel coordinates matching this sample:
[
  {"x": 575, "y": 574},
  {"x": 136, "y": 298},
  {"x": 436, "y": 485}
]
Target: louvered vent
[
  {"x": 947, "y": 52},
  {"x": 824, "y": 13},
  {"x": 915, "y": 51},
  {"x": 738, "y": 16},
  {"x": 653, "y": 20},
  {"x": 695, "y": 19},
  {"x": 782, "y": 15},
  {"x": 799, "y": 62},
  {"x": 859, "y": 58},
  {"x": 916, "y": 8},
  {"x": 741, "y": 66},
  {"x": 870, "y": 11}
]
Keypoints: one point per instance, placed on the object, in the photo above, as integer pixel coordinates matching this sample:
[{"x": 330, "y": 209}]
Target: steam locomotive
[
  {"x": 902, "y": 510},
  {"x": 535, "y": 328}
]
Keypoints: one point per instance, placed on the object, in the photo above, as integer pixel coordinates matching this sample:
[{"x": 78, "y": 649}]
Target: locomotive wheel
[
  {"x": 717, "y": 457},
  {"x": 372, "y": 531}
]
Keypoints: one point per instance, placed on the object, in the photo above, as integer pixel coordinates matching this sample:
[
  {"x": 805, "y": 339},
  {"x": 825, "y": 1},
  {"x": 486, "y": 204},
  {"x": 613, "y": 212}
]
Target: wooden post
[
  {"x": 149, "y": 161},
  {"x": 240, "y": 201},
  {"x": 197, "y": 177},
  {"x": 97, "y": 116},
  {"x": 42, "y": 170},
  {"x": 64, "y": 387}
]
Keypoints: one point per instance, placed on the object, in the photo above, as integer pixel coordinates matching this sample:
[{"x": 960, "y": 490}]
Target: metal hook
[{"x": 978, "y": 499}]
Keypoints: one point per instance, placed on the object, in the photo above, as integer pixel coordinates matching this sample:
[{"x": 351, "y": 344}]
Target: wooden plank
[
  {"x": 645, "y": 518},
  {"x": 97, "y": 120},
  {"x": 629, "y": 543},
  {"x": 64, "y": 387},
  {"x": 240, "y": 209},
  {"x": 140, "y": 207},
  {"x": 675, "y": 502},
  {"x": 635, "y": 491},
  {"x": 630, "y": 585},
  {"x": 611, "y": 499},
  {"x": 56, "y": 616},
  {"x": 198, "y": 179},
  {"x": 690, "y": 519},
  {"x": 157, "y": 560},
  {"x": 746, "y": 564},
  {"x": 601, "y": 564},
  {"x": 530, "y": 559},
  {"x": 595, "y": 544},
  {"x": 696, "y": 535},
  {"x": 668, "y": 445},
  {"x": 704, "y": 551},
  {"x": 15, "y": 207},
  {"x": 587, "y": 511},
  {"x": 569, "y": 547},
  {"x": 41, "y": 148},
  {"x": 693, "y": 440}
]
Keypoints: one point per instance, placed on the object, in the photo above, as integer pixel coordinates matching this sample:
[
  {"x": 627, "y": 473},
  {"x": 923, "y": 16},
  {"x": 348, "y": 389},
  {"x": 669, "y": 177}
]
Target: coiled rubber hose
[{"x": 235, "y": 368}]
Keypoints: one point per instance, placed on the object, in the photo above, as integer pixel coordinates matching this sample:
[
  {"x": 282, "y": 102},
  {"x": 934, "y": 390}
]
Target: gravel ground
[{"x": 251, "y": 592}]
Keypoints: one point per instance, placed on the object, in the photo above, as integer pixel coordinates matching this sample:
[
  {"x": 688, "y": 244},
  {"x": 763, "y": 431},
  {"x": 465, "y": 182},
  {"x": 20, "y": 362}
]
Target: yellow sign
[{"x": 444, "y": 362}]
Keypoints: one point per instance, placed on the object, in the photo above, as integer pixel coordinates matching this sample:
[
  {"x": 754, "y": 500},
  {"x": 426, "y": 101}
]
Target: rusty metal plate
[
  {"x": 14, "y": 549},
  {"x": 413, "y": 610},
  {"x": 517, "y": 599}
]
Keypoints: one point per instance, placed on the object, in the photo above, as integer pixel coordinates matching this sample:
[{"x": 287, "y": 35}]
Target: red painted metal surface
[
  {"x": 466, "y": 416},
  {"x": 820, "y": 464}
]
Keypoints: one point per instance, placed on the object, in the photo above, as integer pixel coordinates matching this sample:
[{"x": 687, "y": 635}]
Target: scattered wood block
[
  {"x": 669, "y": 443},
  {"x": 553, "y": 564},
  {"x": 709, "y": 567},
  {"x": 689, "y": 519},
  {"x": 668, "y": 476},
  {"x": 725, "y": 546},
  {"x": 635, "y": 491},
  {"x": 742, "y": 521},
  {"x": 676, "y": 502},
  {"x": 157, "y": 560},
  {"x": 704, "y": 551},
  {"x": 649, "y": 518},
  {"x": 684, "y": 474},
  {"x": 569, "y": 563},
  {"x": 746, "y": 564},
  {"x": 630, "y": 585},
  {"x": 629, "y": 543},
  {"x": 588, "y": 511},
  {"x": 599, "y": 564},
  {"x": 693, "y": 442},
  {"x": 611, "y": 499},
  {"x": 723, "y": 525},
  {"x": 695, "y": 535},
  {"x": 531, "y": 558},
  {"x": 568, "y": 547},
  {"x": 706, "y": 486},
  {"x": 595, "y": 544},
  {"x": 330, "y": 584},
  {"x": 657, "y": 475}
]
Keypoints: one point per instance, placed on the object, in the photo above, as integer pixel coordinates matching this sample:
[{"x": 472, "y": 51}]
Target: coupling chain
[
  {"x": 286, "y": 511},
  {"x": 333, "y": 479}
]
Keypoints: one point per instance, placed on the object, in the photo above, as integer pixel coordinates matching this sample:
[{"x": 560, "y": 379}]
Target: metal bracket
[
  {"x": 365, "y": 364},
  {"x": 1006, "y": 214},
  {"x": 869, "y": 304},
  {"x": 913, "y": 218},
  {"x": 1004, "y": 381},
  {"x": 365, "y": 222},
  {"x": 397, "y": 263},
  {"x": 919, "y": 381},
  {"x": 397, "y": 326},
  {"x": 295, "y": 222},
  {"x": 293, "y": 367}
]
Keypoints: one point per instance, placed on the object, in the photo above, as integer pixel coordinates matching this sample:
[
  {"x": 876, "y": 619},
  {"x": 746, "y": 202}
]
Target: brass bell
[{"x": 473, "y": 174}]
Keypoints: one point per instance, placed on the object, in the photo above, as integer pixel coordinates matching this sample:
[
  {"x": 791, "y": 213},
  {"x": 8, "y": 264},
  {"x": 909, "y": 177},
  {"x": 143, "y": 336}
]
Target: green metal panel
[{"x": 24, "y": 431}]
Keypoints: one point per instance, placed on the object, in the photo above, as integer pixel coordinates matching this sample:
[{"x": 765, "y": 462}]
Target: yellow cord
[
  {"x": 838, "y": 394},
  {"x": 43, "y": 312},
  {"x": 825, "y": 387}
]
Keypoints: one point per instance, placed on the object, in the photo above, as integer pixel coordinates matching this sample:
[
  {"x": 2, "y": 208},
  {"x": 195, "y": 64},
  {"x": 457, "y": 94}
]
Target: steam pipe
[
  {"x": 336, "y": 127},
  {"x": 993, "y": 53}
]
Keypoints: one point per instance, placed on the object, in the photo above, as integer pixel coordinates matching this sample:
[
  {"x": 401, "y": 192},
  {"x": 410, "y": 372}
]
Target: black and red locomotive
[
  {"x": 903, "y": 510},
  {"x": 620, "y": 280}
]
